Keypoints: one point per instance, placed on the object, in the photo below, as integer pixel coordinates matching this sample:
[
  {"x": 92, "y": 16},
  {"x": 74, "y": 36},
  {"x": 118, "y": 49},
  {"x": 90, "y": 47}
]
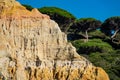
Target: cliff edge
[{"x": 32, "y": 47}]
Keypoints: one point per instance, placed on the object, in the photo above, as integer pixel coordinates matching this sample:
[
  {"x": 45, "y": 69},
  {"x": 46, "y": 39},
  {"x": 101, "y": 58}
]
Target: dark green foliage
[
  {"x": 100, "y": 54},
  {"x": 112, "y": 23},
  {"x": 28, "y": 7},
  {"x": 96, "y": 34},
  {"x": 108, "y": 61},
  {"x": 62, "y": 17},
  {"x": 84, "y": 24},
  {"x": 113, "y": 44},
  {"x": 72, "y": 36},
  {"x": 116, "y": 39},
  {"x": 93, "y": 45},
  {"x": 55, "y": 10}
]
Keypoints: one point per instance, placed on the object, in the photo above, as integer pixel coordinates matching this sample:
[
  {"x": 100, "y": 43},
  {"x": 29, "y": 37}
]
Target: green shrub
[
  {"x": 108, "y": 59},
  {"x": 93, "y": 45},
  {"x": 55, "y": 10},
  {"x": 97, "y": 34},
  {"x": 109, "y": 62},
  {"x": 28, "y": 7}
]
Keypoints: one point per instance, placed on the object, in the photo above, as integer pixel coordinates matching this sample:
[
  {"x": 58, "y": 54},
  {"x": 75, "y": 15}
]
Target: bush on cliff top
[
  {"x": 28, "y": 7},
  {"x": 55, "y": 10},
  {"x": 93, "y": 45}
]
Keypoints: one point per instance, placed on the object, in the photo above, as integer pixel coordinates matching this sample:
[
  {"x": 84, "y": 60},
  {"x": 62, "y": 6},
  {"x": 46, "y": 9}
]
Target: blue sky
[{"x": 99, "y": 9}]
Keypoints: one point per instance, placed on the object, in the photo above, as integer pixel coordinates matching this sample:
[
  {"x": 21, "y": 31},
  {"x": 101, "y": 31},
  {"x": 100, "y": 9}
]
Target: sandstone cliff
[{"x": 32, "y": 47}]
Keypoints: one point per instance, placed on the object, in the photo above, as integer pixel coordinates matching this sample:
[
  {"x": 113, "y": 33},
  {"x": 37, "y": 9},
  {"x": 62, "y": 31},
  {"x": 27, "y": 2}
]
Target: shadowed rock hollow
[{"x": 32, "y": 47}]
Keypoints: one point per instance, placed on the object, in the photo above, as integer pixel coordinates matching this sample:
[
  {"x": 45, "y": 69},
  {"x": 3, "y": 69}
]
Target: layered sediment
[{"x": 32, "y": 47}]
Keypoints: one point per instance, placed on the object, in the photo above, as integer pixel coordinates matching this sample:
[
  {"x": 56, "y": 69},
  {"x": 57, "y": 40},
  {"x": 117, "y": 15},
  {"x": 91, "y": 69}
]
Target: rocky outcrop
[{"x": 32, "y": 47}]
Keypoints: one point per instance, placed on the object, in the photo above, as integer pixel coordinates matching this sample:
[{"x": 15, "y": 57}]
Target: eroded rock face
[{"x": 32, "y": 47}]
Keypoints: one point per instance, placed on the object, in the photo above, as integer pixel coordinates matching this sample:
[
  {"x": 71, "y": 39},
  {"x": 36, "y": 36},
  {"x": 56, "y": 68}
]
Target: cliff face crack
[{"x": 38, "y": 62}]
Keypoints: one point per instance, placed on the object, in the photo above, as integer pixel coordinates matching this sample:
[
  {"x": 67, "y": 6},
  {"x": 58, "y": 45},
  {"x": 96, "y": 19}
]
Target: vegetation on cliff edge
[{"x": 103, "y": 46}]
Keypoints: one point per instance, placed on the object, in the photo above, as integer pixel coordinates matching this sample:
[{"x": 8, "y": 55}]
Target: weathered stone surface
[{"x": 32, "y": 47}]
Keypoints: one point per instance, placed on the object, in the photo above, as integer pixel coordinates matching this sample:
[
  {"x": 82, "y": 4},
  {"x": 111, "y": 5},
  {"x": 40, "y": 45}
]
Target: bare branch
[{"x": 115, "y": 33}]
